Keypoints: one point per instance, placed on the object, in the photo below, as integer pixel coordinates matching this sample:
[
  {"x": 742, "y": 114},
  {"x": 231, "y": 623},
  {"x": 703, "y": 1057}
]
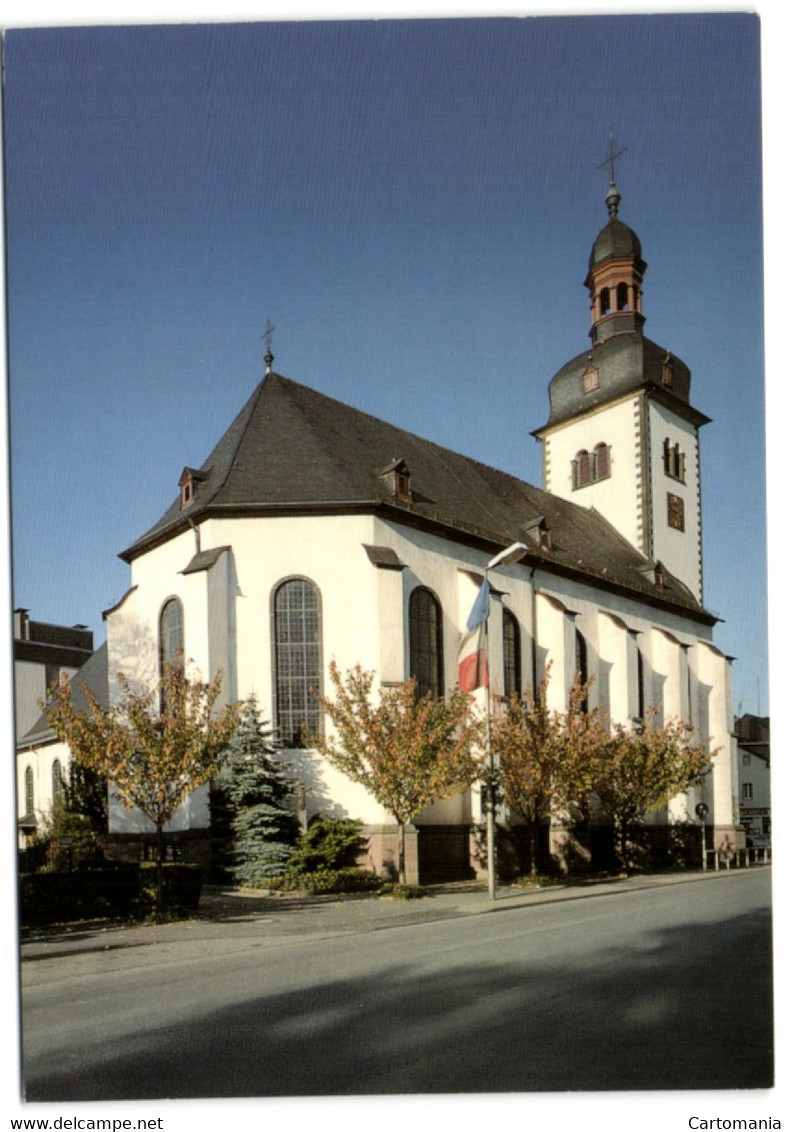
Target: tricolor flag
[{"x": 473, "y": 668}]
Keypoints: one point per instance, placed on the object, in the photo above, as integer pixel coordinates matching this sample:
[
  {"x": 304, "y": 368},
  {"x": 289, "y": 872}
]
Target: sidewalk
[{"x": 233, "y": 916}]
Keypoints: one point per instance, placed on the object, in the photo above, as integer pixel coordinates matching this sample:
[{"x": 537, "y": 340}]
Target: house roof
[
  {"x": 92, "y": 675},
  {"x": 292, "y": 450}
]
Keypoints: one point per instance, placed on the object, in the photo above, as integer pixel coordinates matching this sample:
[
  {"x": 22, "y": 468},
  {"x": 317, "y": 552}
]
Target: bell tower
[{"x": 622, "y": 435}]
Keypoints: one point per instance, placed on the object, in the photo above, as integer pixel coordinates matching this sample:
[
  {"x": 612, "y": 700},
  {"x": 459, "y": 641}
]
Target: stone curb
[{"x": 439, "y": 906}]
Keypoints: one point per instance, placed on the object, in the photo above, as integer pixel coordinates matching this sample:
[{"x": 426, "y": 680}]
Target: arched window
[
  {"x": 581, "y": 469},
  {"x": 30, "y": 797},
  {"x": 640, "y": 679},
  {"x": 604, "y": 301},
  {"x": 298, "y": 660},
  {"x": 622, "y": 298},
  {"x": 581, "y": 663},
  {"x": 426, "y": 642},
  {"x": 57, "y": 782},
  {"x": 601, "y": 462},
  {"x": 171, "y": 633},
  {"x": 588, "y": 467},
  {"x": 512, "y": 660}
]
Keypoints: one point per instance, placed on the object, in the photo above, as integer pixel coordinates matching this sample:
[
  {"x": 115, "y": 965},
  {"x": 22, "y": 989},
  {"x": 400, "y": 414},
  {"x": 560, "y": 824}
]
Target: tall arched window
[
  {"x": 57, "y": 782},
  {"x": 512, "y": 660},
  {"x": 581, "y": 471},
  {"x": 297, "y": 649},
  {"x": 640, "y": 680},
  {"x": 426, "y": 642},
  {"x": 604, "y": 301},
  {"x": 171, "y": 633},
  {"x": 622, "y": 298},
  {"x": 601, "y": 462},
  {"x": 30, "y": 796},
  {"x": 581, "y": 663}
]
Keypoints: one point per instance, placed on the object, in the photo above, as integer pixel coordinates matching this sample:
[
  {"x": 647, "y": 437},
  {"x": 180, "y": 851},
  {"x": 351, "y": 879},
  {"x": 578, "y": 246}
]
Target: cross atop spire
[{"x": 611, "y": 156}]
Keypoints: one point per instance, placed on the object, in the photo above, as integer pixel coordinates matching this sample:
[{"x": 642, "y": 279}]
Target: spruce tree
[{"x": 255, "y": 795}]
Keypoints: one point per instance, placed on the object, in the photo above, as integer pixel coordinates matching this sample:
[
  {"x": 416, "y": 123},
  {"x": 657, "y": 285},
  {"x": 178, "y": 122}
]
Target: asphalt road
[{"x": 667, "y": 988}]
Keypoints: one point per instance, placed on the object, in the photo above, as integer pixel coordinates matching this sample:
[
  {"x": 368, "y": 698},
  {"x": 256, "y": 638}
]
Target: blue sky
[{"x": 412, "y": 203}]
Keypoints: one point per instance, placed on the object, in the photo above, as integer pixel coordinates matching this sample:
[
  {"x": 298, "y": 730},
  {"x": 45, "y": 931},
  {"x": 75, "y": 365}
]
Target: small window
[
  {"x": 590, "y": 379},
  {"x": 673, "y": 461},
  {"x": 747, "y": 791},
  {"x": 30, "y": 797},
  {"x": 667, "y": 372},
  {"x": 676, "y": 512},
  {"x": 746, "y": 760}
]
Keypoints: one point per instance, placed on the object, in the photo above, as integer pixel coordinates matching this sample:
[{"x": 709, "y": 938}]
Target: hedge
[{"x": 123, "y": 892}]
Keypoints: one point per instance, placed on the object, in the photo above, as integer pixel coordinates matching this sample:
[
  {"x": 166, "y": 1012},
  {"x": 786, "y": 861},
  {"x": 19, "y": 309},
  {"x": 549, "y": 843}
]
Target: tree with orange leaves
[
  {"x": 155, "y": 746},
  {"x": 406, "y": 750}
]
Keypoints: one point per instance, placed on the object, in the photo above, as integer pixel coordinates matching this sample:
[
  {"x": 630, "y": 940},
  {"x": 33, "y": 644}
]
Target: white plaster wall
[
  {"x": 618, "y": 497},
  {"x": 364, "y": 619},
  {"x": 679, "y": 551},
  {"x": 41, "y": 760}
]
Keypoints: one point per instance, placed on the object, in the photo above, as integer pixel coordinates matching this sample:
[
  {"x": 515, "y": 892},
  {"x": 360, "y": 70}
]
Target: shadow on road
[{"x": 691, "y": 1008}]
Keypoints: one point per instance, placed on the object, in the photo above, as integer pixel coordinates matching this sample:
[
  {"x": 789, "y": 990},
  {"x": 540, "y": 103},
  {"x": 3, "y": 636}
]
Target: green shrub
[
  {"x": 403, "y": 891},
  {"x": 328, "y": 843},
  {"x": 329, "y": 880}
]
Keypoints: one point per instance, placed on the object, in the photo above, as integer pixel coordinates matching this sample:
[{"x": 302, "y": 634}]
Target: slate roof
[
  {"x": 292, "y": 450},
  {"x": 93, "y": 675},
  {"x": 625, "y": 363},
  {"x": 615, "y": 241}
]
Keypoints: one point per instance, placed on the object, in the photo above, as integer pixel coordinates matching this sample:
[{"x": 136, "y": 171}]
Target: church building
[{"x": 315, "y": 532}]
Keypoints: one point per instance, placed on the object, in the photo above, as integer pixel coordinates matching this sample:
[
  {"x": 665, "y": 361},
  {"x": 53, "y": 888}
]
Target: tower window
[
  {"x": 673, "y": 461},
  {"x": 604, "y": 301},
  {"x": 588, "y": 467},
  {"x": 676, "y": 512},
  {"x": 622, "y": 300}
]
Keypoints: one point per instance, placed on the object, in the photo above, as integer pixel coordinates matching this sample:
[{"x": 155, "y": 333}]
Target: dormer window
[
  {"x": 539, "y": 533},
  {"x": 188, "y": 482},
  {"x": 667, "y": 372},
  {"x": 590, "y": 379},
  {"x": 396, "y": 478}
]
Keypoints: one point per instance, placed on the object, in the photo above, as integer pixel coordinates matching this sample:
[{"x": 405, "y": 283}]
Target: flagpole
[
  {"x": 491, "y": 864},
  {"x": 511, "y": 554}
]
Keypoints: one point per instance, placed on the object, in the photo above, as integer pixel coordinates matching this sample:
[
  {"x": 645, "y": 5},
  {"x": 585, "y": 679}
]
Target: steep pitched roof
[
  {"x": 292, "y": 450},
  {"x": 92, "y": 675}
]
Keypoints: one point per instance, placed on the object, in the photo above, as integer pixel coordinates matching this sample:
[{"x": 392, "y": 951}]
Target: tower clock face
[{"x": 676, "y": 512}]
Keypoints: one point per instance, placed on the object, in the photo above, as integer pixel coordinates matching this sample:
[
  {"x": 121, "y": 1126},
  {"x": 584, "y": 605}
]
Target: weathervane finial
[{"x": 267, "y": 336}]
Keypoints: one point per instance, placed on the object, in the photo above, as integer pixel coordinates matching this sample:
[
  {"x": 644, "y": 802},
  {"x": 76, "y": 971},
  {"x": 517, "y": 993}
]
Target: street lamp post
[{"x": 511, "y": 554}]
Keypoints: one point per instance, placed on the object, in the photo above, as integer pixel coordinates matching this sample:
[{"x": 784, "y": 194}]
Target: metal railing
[{"x": 737, "y": 858}]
